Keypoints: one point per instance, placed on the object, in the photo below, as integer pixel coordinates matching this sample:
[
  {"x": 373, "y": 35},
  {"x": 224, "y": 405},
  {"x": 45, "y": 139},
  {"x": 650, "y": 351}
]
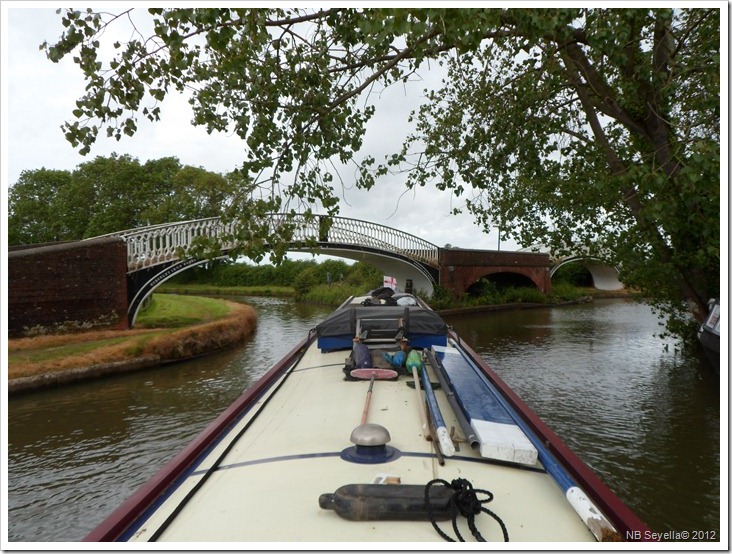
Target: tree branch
[
  {"x": 631, "y": 199},
  {"x": 603, "y": 93}
]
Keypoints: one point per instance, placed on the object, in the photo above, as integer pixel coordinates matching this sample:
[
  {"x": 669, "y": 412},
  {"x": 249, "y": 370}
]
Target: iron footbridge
[{"x": 158, "y": 252}]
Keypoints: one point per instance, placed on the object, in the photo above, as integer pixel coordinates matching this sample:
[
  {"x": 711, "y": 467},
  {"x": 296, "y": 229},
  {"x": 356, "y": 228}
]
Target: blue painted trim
[
  {"x": 313, "y": 455},
  {"x": 345, "y": 342}
]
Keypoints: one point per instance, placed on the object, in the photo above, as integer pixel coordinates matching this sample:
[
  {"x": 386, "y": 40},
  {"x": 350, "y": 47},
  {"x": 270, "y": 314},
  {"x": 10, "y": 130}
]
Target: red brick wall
[
  {"x": 460, "y": 268},
  {"x": 466, "y": 257},
  {"x": 68, "y": 286}
]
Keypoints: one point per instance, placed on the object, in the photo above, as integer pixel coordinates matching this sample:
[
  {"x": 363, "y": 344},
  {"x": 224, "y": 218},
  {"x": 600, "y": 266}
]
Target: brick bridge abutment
[{"x": 67, "y": 287}]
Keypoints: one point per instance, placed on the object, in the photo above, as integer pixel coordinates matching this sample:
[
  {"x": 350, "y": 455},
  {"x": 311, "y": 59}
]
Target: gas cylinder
[{"x": 362, "y": 502}]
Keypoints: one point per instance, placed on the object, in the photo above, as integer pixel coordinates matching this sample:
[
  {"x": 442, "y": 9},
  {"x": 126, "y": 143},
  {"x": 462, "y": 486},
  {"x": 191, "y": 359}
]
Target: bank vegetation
[
  {"x": 332, "y": 281},
  {"x": 172, "y": 328}
]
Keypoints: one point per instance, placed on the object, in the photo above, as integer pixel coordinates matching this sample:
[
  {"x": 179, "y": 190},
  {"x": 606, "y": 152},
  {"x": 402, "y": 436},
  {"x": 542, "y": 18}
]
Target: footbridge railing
[{"x": 159, "y": 244}]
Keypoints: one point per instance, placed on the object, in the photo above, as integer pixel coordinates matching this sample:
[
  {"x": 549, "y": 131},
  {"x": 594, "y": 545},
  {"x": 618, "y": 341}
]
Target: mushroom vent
[{"x": 370, "y": 446}]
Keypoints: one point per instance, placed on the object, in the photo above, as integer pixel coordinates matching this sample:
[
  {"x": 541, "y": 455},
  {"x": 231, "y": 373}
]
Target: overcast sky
[{"x": 38, "y": 96}]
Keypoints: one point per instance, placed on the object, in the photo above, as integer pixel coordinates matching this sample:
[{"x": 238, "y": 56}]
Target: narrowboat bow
[
  {"x": 708, "y": 334},
  {"x": 404, "y": 434}
]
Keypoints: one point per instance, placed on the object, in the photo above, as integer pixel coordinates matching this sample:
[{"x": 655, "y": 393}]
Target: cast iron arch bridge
[
  {"x": 157, "y": 252},
  {"x": 604, "y": 276}
]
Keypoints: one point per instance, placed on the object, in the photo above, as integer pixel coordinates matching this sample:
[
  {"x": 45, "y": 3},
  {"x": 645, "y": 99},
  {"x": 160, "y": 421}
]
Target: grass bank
[
  {"x": 490, "y": 298},
  {"x": 171, "y": 328},
  {"x": 215, "y": 290}
]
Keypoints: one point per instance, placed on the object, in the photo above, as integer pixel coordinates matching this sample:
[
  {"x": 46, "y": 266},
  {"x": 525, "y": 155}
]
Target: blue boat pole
[
  {"x": 443, "y": 436},
  {"x": 596, "y": 522}
]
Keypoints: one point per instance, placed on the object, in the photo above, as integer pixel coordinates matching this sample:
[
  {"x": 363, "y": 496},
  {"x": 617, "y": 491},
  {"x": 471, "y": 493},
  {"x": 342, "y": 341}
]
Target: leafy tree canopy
[
  {"x": 111, "y": 194},
  {"x": 31, "y": 217},
  {"x": 578, "y": 128}
]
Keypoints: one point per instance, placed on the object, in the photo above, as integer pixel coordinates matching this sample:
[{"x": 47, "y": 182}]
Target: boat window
[{"x": 379, "y": 328}]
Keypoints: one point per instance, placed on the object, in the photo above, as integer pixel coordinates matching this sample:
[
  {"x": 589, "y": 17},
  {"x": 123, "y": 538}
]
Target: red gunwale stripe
[
  {"x": 120, "y": 519},
  {"x": 619, "y": 514}
]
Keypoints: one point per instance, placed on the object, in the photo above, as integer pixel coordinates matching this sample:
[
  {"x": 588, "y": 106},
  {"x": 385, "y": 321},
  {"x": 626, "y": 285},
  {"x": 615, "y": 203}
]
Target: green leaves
[
  {"x": 107, "y": 195},
  {"x": 580, "y": 128},
  {"x": 32, "y": 209},
  {"x": 588, "y": 149}
]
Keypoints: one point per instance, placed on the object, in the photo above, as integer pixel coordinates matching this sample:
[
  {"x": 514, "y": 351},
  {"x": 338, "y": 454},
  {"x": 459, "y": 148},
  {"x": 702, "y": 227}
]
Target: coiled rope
[{"x": 463, "y": 502}]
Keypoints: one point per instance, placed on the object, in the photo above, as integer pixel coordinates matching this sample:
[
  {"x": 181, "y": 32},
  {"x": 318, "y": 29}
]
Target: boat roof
[
  {"x": 267, "y": 485},
  {"x": 309, "y": 431}
]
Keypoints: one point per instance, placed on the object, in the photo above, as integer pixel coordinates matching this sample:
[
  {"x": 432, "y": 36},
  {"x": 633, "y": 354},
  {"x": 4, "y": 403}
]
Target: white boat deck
[{"x": 267, "y": 486}]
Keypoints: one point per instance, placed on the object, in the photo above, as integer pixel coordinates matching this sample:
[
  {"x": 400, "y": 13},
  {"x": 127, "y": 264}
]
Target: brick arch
[
  {"x": 511, "y": 277},
  {"x": 461, "y": 268},
  {"x": 459, "y": 279}
]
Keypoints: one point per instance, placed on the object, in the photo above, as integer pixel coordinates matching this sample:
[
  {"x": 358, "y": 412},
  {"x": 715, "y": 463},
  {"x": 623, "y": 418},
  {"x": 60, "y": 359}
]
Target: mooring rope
[{"x": 463, "y": 502}]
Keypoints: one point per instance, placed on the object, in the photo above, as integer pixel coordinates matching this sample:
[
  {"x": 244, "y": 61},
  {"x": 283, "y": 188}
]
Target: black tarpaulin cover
[{"x": 416, "y": 320}]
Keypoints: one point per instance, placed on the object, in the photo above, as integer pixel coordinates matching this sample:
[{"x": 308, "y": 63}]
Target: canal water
[{"x": 643, "y": 416}]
